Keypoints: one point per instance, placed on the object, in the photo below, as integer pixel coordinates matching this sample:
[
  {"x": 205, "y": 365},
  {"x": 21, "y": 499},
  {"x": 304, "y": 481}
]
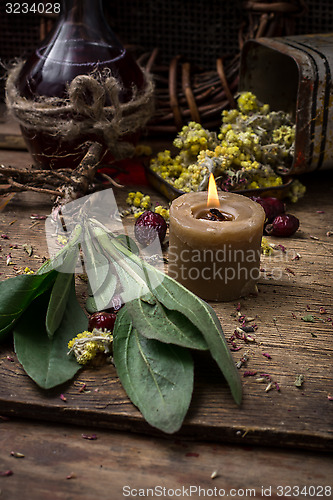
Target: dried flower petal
[
  {"x": 90, "y": 437},
  {"x": 37, "y": 217},
  {"x": 6, "y": 473},
  {"x": 280, "y": 247},
  {"x": 249, "y": 373},
  {"x": 268, "y": 356}
]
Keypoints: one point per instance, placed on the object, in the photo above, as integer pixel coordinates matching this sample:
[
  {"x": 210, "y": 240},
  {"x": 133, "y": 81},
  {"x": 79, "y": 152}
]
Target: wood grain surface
[
  {"x": 61, "y": 463},
  {"x": 295, "y": 283}
]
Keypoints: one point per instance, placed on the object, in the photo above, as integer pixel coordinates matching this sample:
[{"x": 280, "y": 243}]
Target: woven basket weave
[{"x": 196, "y": 66}]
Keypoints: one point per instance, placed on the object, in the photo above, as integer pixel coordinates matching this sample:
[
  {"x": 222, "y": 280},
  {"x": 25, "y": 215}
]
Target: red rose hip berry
[
  {"x": 102, "y": 320},
  {"x": 283, "y": 225},
  {"x": 272, "y": 206},
  {"x": 148, "y": 226}
]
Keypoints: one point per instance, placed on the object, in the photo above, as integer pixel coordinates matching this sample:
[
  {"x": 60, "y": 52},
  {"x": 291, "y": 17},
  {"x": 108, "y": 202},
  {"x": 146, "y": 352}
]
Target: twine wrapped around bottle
[{"x": 84, "y": 112}]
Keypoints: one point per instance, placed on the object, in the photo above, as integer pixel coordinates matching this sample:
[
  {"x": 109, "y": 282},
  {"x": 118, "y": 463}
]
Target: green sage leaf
[
  {"x": 17, "y": 293},
  {"x": 96, "y": 265},
  {"x": 102, "y": 281},
  {"x": 129, "y": 243},
  {"x": 60, "y": 259},
  {"x": 155, "y": 321},
  {"x": 45, "y": 359},
  {"x": 130, "y": 272},
  {"x": 60, "y": 292},
  {"x": 91, "y": 305},
  {"x": 58, "y": 302},
  {"x": 175, "y": 296},
  {"x": 157, "y": 377}
]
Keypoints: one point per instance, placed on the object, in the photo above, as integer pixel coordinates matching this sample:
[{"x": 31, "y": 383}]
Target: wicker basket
[{"x": 196, "y": 66}]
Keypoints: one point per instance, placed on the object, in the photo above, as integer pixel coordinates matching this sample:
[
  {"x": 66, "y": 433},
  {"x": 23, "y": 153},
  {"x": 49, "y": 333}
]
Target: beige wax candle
[{"x": 216, "y": 260}]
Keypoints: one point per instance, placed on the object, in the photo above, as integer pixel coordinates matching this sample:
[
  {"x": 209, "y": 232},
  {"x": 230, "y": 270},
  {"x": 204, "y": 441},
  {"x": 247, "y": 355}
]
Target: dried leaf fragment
[
  {"x": 299, "y": 380},
  {"x": 16, "y": 454},
  {"x": 309, "y": 318},
  {"x": 28, "y": 248}
]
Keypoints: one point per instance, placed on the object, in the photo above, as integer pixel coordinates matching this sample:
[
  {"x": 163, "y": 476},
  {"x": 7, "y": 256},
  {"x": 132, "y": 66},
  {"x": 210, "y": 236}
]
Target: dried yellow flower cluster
[
  {"x": 252, "y": 147},
  {"x": 86, "y": 345},
  {"x": 140, "y": 202}
]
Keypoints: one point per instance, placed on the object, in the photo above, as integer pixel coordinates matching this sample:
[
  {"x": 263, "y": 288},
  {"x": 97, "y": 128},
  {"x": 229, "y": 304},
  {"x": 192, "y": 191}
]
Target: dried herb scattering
[
  {"x": 90, "y": 437},
  {"x": 299, "y": 380},
  {"x": 6, "y": 473},
  {"x": 16, "y": 454},
  {"x": 309, "y": 318}
]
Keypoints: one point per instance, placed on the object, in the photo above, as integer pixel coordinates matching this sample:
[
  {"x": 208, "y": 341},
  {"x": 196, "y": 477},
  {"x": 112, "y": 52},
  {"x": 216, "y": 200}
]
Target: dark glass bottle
[{"x": 80, "y": 42}]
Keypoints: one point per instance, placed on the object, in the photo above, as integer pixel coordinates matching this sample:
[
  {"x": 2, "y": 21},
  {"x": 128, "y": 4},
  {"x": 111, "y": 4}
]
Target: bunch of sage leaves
[{"x": 154, "y": 333}]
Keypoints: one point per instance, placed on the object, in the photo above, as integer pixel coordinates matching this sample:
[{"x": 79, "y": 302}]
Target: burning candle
[{"x": 215, "y": 243}]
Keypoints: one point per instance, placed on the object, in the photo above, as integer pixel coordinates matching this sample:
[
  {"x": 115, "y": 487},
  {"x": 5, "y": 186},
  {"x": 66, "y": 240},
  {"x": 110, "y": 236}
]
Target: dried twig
[
  {"x": 65, "y": 185},
  {"x": 82, "y": 176}
]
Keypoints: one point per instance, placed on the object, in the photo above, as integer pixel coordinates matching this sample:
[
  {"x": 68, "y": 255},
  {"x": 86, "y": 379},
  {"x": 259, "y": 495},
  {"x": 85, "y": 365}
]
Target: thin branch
[{"x": 20, "y": 187}]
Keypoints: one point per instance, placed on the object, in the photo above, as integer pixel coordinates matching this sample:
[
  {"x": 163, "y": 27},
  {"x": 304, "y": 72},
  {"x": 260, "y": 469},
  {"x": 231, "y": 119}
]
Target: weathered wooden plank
[
  {"x": 289, "y": 289},
  {"x": 59, "y": 463}
]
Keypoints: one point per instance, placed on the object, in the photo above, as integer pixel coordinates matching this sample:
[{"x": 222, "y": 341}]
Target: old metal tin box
[{"x": 294, "y": 74}]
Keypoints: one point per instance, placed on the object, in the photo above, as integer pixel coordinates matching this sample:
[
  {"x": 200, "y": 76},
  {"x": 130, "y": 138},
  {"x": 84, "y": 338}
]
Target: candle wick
[{"x": 216, "y": 214}]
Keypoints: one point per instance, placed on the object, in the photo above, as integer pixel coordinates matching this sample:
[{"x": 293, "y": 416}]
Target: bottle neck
[{"x": 87, "y": 12}]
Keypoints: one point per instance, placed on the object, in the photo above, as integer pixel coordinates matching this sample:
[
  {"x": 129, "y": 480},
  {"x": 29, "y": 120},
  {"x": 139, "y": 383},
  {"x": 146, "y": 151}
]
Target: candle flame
[{"x": 213, "y": 199}]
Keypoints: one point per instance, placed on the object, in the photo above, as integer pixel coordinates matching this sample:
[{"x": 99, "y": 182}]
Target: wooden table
[{"x": 277, "y": 438}]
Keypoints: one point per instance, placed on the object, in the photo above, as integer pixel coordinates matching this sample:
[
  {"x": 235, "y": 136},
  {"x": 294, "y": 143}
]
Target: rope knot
[
  {"x": 92, "y": 107},
  {"x": 87, "y": 96}
]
